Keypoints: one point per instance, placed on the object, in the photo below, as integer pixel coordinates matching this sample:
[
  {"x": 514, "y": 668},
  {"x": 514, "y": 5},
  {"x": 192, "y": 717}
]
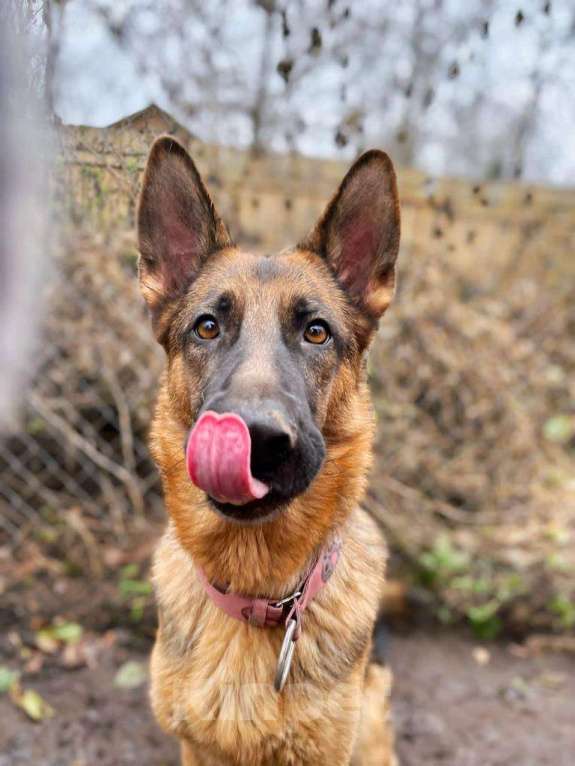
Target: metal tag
[{"x": 285, "y": 656}]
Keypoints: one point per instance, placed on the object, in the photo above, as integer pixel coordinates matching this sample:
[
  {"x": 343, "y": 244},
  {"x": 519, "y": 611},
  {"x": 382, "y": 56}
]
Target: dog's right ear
[{"x": 178, "y": 226}]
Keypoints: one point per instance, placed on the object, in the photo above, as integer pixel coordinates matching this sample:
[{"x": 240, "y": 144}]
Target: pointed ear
[
  {"x": 178, "y": 226},
  {"x": 358, "y": 234}
]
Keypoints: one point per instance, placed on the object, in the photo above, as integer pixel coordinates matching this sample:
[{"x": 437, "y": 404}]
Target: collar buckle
[{"x": 288, "y": 599}]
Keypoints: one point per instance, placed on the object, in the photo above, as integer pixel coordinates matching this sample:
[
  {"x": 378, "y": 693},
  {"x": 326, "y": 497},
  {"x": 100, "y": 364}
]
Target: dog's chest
[
  {"x": 212, "y": 675},
  {"x": 220, "y": 690}
]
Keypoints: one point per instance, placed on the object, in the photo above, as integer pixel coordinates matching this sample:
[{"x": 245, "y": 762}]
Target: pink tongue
[{"x": 218, "y": 459}]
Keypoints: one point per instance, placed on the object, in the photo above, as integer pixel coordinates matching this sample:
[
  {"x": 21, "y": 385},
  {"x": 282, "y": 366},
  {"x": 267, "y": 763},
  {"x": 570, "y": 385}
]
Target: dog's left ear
[{"x": 358, "y": 234}]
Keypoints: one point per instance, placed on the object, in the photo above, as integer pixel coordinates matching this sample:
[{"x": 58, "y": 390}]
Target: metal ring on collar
[{"x": 285, "y": 656}]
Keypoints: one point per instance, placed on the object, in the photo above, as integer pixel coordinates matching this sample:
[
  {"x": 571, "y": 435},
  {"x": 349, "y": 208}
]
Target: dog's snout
[
  {"x": 272, "y": 442},
  {"x": 273, "y": 433},
  {"x": 287, "y": 449}
]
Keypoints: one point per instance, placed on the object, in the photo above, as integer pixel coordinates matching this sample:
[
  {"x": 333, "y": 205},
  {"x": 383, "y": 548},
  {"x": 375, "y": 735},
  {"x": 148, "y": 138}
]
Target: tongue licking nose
[{"x": 218, "y": 459}]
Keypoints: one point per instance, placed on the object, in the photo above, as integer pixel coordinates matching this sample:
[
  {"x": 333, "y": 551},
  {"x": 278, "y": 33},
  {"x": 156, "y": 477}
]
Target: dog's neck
[{"x": 266, "y": 558}]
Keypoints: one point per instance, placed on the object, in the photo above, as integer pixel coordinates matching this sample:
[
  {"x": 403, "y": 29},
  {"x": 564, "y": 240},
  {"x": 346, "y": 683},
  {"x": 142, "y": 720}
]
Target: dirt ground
[
  {"x": 450, "y": 710},
  {"x": 455, "y": 704}
]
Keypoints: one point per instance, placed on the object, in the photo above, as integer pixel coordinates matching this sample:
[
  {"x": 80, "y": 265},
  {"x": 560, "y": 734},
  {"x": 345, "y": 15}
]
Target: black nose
[
  {"x": 287, "y": 450},
  {"x": 272, "y": 442}
]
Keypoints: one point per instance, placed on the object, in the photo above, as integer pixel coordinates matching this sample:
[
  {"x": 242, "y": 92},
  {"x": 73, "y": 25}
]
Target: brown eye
[
  {"x": 317, "y": 332},
  {"x": 207, "y": 328}
]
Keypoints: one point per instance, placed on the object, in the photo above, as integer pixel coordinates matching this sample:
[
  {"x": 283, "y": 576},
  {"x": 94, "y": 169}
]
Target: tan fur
[{"x": 212, "y": 676}]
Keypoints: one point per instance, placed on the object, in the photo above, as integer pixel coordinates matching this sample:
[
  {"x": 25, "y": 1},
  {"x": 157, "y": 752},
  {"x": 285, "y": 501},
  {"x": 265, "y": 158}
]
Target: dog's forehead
[{"x": 277, "y": 277}]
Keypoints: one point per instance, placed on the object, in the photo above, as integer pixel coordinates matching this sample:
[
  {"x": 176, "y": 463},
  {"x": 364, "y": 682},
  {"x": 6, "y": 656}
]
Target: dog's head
[{"x": 273, "y": 345}]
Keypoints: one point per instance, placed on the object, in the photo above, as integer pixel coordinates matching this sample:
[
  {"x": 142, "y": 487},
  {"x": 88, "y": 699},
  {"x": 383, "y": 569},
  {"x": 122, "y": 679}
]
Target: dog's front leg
[
  {"x": 196, "y": 755},
  {"x": 188, "y": 757},
  {"x": 375, "y": 743}
]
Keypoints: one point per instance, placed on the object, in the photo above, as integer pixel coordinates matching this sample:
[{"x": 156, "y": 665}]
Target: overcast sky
[{"x": 99, "y": 82}]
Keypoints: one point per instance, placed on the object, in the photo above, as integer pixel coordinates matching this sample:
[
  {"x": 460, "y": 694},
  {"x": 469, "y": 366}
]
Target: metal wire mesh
[
  {"x": 80, "y": 441},
  {"x": 81, "y": 437}
]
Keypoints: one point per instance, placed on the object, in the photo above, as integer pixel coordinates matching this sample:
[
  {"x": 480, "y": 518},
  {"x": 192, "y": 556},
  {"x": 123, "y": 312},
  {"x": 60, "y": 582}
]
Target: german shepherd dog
[{"x": 269, "y": 576}]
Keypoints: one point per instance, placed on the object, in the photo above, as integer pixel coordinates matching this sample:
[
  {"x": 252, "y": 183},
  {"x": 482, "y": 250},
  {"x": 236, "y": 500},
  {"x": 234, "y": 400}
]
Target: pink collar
[{"x": 268, "y": 613}]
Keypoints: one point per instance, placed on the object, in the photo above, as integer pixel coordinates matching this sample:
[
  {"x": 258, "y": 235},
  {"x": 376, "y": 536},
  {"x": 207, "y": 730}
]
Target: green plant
[
  {"x": 134, "y": 590},
  {"x": 484, "y": 620},
  {"x": 442, "y": 561},
  {"x": 564, "y": 608}
]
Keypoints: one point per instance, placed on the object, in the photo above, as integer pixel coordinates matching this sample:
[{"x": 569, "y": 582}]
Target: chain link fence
[
  {"x": 473, "y": 378},
  {"x": 81, "y": 438}
]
